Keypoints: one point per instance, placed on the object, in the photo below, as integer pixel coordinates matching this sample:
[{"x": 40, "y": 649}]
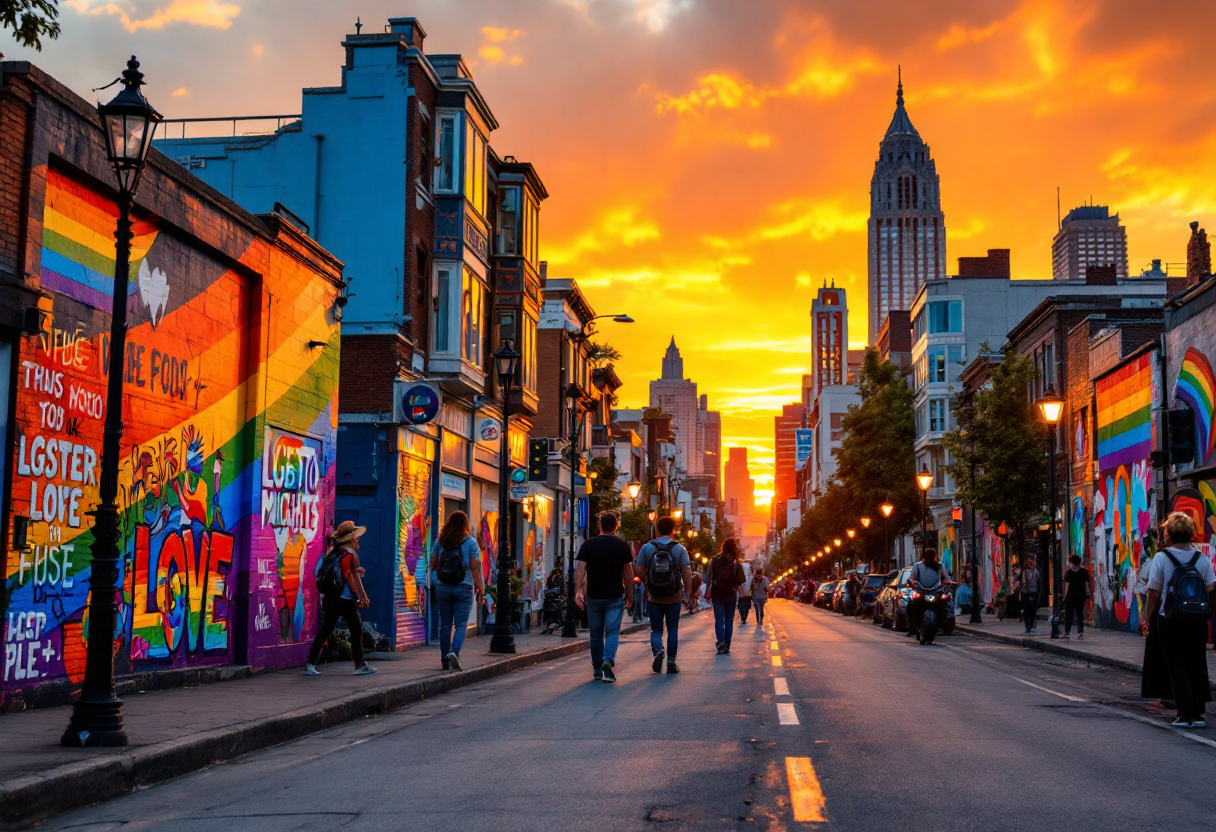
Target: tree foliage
[
  {"x": 1001, "y": 432},
  {"x": 604, "y": 494},
  {"x": 30, "y": 21}
]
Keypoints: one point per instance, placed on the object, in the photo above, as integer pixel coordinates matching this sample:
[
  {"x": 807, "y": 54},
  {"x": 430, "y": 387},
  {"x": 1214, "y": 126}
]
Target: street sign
[
  {"x": 416, "y": 403},
  {"x": 804, "y": 442},
  {"x": 519, "y": 492}
]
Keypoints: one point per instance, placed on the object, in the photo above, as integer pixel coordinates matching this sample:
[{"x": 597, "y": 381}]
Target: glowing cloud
[{"x": 211, "y": 13}]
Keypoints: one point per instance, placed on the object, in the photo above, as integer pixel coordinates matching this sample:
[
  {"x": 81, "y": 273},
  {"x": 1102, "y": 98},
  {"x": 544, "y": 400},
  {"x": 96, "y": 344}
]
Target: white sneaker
[
  {"x": 366, "y": 670},
  {"x": 454, "y": 661},
  {"x": 311, "y": 670}
]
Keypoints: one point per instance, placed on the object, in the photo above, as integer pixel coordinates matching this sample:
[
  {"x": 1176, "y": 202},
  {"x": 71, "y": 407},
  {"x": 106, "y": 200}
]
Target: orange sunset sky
[{"x": 709, "y": 160}]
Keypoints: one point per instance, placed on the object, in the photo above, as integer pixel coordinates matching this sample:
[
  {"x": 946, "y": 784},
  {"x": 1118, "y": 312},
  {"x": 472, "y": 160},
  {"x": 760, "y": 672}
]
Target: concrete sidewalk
[
  {"x": 173, "y": 732},
  {"x": 1111, "y": 648}
]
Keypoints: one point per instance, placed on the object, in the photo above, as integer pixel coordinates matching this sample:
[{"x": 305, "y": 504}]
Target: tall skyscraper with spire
[
  {"x": 677, "y": 397},
  {"x": 907, "y": 229}
]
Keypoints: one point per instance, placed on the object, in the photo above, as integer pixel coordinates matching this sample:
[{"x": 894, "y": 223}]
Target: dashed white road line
[
  {"x": 780, "y": 686},
  {"x": 786, "y": 714}
]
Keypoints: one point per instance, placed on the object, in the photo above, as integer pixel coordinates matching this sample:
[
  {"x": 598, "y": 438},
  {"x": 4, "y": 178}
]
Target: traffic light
[
  {"x": 1182, "y": 435},
  {"x": 538, "y": 459}
]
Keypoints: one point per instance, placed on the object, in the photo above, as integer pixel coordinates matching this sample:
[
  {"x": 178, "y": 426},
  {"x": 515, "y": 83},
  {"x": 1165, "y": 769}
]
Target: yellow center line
[
  {"x": 776, "y": 661},
  {"x": 806, "y": 797},
  {"x": 775, "y": 646}
]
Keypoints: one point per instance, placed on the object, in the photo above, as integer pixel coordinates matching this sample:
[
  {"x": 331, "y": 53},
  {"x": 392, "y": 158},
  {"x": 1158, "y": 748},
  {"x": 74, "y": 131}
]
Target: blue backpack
[{"x": 1187, "y": 595}]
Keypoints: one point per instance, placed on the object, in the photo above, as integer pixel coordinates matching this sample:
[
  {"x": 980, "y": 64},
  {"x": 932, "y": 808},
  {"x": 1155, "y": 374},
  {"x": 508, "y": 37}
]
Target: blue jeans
[
  {"x": 660, "y": 614},
  {"x": 454, "y": 603},
  {"x": 604, "y": 617},
  {"x": 638, "y": 606},
  {"x": 724, "y": 618}
]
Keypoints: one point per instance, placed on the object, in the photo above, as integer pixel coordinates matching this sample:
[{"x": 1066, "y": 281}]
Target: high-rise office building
[
  {"x": 907, "y": 229},
  {"x": 677, "y": 397},
  {"x": 740, "y": 489},
  {"x": 829, "y": 339},
  {"x": 785, "y": 476},
  {"x": 1088, "y": 236}
]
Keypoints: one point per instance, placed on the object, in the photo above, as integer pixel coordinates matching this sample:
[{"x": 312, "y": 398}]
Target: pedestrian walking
[
  {"x": 1028, "y": 595},
  {"x": 1079, "y": 589},
  {"x": 745, "y": 599},
  {"x": 664, "y": 568},
  {"x": 340, "y": 582},
  {"x": 1180, "y": 583},
  {"x": 725, "y": 578},
  {"x": 605, "y": 570},
  {"x": 638, "y": 593},
  {"x": 760, "y": 584},
  {"x": 455, "y": 576}
]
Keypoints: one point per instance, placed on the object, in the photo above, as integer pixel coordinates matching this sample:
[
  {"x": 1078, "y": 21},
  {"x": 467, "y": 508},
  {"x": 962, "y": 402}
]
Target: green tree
[
  {"x": 635, "y": 525},
  {"x": 30, "y": 20},
  {"x": 1001, "y": 433},
  {"x": 876, "y": 461},
  {"x": 603, "y": 354},
  {"x": 604, "y": 495}
]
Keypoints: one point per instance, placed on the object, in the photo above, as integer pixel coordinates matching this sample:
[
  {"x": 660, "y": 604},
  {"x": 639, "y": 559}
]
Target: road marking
[
  {"x": 774, "y": 645},
  {"x": 785, "y": 714},
  {"x": 1117, "y": 711},
  {"x": 781, "y": 686},
  {"x": 806, "y": 797},
  {"x": 776, "y": 661}
]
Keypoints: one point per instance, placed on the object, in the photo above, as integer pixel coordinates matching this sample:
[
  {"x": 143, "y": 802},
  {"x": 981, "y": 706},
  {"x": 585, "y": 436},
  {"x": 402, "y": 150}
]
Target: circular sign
[
  {"x": 519, "y": 476},
  {"x": 420, "y": 404},
  {"x": 490, "y": 430}
]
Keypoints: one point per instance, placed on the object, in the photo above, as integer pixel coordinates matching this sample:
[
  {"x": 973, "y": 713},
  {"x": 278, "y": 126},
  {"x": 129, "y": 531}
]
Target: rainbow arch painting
[{"x": 1196, "y": 386}]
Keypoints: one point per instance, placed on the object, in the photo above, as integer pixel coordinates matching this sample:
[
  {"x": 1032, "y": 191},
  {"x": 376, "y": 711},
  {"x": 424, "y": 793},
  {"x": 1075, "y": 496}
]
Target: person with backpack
[
  {"x": 1080, "y": 588},
  {"x": 666, "y": 572},
  {"x": 725, "y": 578},
  {"x": 1180, "y": 583},
  {"x": 605, "y": 571},
  {"x": 760, "y": 584},
  {"x": 455, "y": 578},
  {"x": 340, "y": 584},
  {"x": 745, "y": 600}
]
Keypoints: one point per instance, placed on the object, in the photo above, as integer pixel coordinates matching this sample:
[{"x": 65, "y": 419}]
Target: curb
[
  {"x": 34, "y": 797},
  {"x": 1048, "y": 647}
]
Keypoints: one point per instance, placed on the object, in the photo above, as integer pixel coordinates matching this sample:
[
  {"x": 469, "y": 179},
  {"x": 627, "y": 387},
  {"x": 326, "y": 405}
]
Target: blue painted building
[{"x": 391, "y": 170}]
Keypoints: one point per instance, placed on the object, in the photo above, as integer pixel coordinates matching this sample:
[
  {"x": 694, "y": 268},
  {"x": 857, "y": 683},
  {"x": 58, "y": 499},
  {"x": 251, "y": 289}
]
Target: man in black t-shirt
[{"x": 605, "y": 568}]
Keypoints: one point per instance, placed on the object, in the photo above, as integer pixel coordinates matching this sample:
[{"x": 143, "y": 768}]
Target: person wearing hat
[{"x": 344, "y": 541}]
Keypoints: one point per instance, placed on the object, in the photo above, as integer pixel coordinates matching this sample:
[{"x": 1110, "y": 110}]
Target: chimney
[
  {"x": 1198, "y": 255},
  {"x": 996, "y": 264},
  {"x": 410, "y": 27},
  {"x": 1100, "y": 276},
  {"x": 544, "y": 272}
]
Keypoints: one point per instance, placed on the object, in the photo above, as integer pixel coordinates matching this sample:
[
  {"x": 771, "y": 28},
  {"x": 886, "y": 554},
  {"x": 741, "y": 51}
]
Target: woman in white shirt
[{"x": 1184, "y": 635}]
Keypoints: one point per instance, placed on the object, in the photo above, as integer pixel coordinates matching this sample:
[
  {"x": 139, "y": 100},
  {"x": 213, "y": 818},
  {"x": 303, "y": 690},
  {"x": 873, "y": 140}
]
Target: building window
[
  {"x": 945, "y": 316},
  {"x": 956, "y": 361},
  {"x": 937, "y": 365},
  {"x": 531, "y": 235},
  {"x": 443, "y": 307},
  {"x": 475, "y": 169},
  {"x": 527, "y": 354},
  {"x": 508, "y": 222},
  {"x": 937, "y": 415},
  {"x": 472, "y": 301},
  {"x": 448, "y": 142}
]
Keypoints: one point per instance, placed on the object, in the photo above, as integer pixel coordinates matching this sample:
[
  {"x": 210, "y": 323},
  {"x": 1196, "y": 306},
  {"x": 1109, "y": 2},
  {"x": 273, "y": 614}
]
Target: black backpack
[
  {"x": 725, "y": 573},
  {"x": 1187, "y": 595},
  {"x": 449, "y": 568},
  {"x": 329, "y": 574},
  {"x": 663, "y": 577}
]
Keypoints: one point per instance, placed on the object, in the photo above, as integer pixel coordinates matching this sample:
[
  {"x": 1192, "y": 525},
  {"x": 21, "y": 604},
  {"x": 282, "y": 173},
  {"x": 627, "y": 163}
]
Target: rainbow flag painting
[
  {"x": 1196, "y": 385},
  {"x": 1125, "y": 414}
]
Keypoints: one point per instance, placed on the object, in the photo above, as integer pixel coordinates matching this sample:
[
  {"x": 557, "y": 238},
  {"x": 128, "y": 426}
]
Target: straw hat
[{"x": 346, "y": 532}]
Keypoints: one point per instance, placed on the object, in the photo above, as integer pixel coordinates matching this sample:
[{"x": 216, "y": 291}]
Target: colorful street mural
[
  {"x": 1196, "y": 385},
  {"x": 1124, "y": 502},
  {"x": 413, "y": 546},
  {"x": 208, "y": 490},
  {"x": 1200, "y": 503}
]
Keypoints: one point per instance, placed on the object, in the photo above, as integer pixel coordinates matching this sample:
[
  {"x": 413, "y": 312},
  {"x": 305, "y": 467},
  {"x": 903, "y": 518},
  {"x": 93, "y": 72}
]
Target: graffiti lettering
[
  {"x": 67, "y": 348},
  {"x": 85, "y": 402},
  {"x": 50, "y": 565},
  {"x": 43, "y": 379},
  {"x": 52, "y": 415},
  {"x": 169, "y": 374},
  {"x": 135, "y": 365}
]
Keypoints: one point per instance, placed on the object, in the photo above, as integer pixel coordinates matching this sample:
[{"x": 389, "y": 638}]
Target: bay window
[
  {"x": 471, "y": 307},
  {"x": 475, "y": 169},
  {"x": 459, "y": 308},
  {"x": 508, "y": 221}
]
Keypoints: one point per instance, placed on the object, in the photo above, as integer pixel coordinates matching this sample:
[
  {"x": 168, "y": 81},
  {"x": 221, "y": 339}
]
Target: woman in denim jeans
[{"x": 455, "y": 600}]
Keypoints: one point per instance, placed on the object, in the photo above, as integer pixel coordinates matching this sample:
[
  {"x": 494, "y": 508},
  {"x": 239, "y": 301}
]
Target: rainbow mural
[
  {"x": 1124, "y": 501},
  {"x": 1196, "y": 385},
  {"x": 226, "y": 479}
]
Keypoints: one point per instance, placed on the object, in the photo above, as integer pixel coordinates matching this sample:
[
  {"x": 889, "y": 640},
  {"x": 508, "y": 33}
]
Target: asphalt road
[{"x": 875, "y": 733}]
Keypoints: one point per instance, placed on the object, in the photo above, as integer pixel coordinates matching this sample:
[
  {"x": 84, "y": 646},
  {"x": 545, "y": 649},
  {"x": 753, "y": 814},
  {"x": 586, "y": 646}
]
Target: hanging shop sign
[{"x": 415, "y": 403}]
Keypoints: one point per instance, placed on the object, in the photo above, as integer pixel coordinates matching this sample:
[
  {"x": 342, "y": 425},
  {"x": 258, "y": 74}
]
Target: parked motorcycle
[
  {"x": 553, "y": 611},
  {"x": 933, "y": 605}
]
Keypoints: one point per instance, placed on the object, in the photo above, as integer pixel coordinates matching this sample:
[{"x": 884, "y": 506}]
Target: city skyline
[{"x": 673, "y": 104}]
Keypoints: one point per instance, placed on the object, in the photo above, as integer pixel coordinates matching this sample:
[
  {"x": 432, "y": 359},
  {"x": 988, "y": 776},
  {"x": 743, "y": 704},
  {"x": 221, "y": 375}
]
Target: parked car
[
  {"x": 871, "y": 585},
  {"x": 843, "y": 601},
  {"x": 889, "y": 581},
  {"x": 823, "y": 596},
  {"x": 893, "y": 601}
]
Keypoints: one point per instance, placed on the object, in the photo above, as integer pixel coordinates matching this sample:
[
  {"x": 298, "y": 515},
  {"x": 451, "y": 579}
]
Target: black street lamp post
[
  {"x": 924, "y": 479},
  {"x": 1051, "y": 406},
  {"x": 574, "y": 394},
  {"x": 128, "y": 122},
  {"x": 506, "y": 362}
]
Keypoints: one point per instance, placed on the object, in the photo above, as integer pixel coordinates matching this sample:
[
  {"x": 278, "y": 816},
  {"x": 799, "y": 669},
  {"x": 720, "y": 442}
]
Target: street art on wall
[
  {"x": 1200, "y": 503},
  {"x": 191, "y": 458},
  {"x": 413, "y": 548},
  {"x": 487, "y": 541},
  {"x": 1124, "y": 501},
  {"x": 1196, "y": 386}
]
